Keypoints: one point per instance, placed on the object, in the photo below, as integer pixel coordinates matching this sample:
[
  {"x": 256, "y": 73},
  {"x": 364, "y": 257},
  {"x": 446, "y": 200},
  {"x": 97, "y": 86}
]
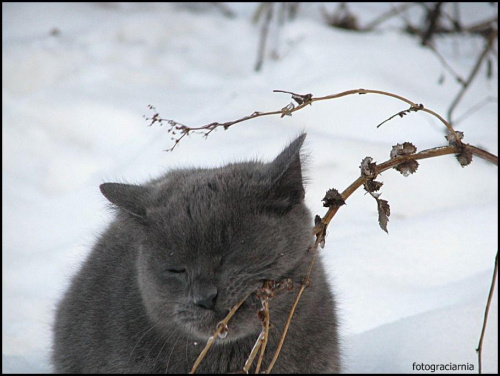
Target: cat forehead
[{"x": 239, "y": 176}]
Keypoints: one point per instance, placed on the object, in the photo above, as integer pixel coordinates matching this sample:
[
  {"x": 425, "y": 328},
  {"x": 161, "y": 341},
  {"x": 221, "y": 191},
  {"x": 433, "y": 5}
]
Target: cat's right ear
[{"x": 131, "y": 198}]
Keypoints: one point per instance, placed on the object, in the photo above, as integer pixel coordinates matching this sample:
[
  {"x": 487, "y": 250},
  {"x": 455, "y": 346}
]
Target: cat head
[{"x": 206, "y": 238}]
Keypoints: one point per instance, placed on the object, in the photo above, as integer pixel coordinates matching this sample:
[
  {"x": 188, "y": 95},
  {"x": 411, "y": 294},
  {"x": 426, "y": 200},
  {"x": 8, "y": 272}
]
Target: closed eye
[{"x": 176, "y": 270}]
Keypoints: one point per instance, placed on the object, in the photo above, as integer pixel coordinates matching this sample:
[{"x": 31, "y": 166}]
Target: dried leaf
[
  {"x": 465, "y": 157},
  {"x": 317, "y": 220},
  {"x": 322, "y": 234},
  {"x": 333, "y": 198},
  {"x": 408, "y": 167},
  {"x": 406, "y": 148},
  {"x": 301, "y": 98},
  {"x": 322, "y": 243},
  {"x": 287, "y": 110},
  {"x": 384, "y": 211},
  {"x": 373, "y": 185},
  {"x": 368, "y": 168},
  {"x": 451, "y": 137}
]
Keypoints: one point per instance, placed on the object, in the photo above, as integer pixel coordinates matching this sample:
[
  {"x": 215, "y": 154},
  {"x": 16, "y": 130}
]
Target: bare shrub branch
[
  {"x": 479, "y": 349},
  {"x": 303, "y": 100},
  {"x": 488, "y": 46}
]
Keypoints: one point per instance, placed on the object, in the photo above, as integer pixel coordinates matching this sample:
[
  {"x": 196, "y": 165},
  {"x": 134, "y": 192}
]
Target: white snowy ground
[{"x": 76, "y": 82}]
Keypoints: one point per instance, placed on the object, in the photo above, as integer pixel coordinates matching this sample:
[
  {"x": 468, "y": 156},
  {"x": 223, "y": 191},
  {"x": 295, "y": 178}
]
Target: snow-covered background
[{"x": 76, "y": 82}]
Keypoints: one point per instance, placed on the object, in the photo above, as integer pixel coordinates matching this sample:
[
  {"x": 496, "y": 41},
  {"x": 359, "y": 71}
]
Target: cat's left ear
[
  {"x": 131, "y": 198},
  {"x": 286, "y": 176}
]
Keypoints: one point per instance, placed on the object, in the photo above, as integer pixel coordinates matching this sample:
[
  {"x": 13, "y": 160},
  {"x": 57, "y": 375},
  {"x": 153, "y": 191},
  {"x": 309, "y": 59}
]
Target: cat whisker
[
  {"x": 171, "y": 352},
  {"x": 187, "y": 355},
  {"x": 159, "y": 352},
  {"x": 139, "y": 340}
]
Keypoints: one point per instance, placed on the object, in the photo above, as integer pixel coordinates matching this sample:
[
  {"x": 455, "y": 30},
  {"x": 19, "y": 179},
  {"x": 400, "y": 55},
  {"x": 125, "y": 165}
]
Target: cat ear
[
  {"x": 131, "y": 198},
  {"x": 286, "y": 176}
]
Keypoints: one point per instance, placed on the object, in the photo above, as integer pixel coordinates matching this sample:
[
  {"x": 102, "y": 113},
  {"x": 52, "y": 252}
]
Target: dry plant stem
[
  {"x": 214, "y": 336},
  {"x": 319, "y": 230},
  {"x": 254, "y": 352},
  {"x": 209, "y": 128},
  {"x": 487, "y": 48},
  {"x": 263, "y": 34},
  {"x": 289, "y": 319},
  {"x": 385, "y": 16},
  {"x": 483, "y": 154},
  {"x": 303, "y": 286},
  {"x": 412, "y": 104},
  {"x": 479, "y": 349},
  {"x": 476, "y": 107},
  {"x": 445, "y": 64},
  {"x": 429, "y": 153},
  {"x": 265, "y": 336}
]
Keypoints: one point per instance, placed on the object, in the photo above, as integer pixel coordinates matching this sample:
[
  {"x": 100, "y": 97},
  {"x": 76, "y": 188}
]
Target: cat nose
[{"x": 207, "y": 299}]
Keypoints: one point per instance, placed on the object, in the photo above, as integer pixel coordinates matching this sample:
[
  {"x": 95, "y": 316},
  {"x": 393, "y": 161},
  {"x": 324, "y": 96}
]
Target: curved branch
[{"x": 303, "y": 100}]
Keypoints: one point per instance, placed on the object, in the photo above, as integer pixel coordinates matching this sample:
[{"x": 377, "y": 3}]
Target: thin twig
[
  {"x": 429, "y": 153},
  {"x": 263, "y": 35},
  {"x": 220, "y": 326},
  {"x": 474, "y": 108},
  {"x": 265, "y": 332},
  {"x": 303, "y": 100},
  {"x": 475, "y": 69},
  {"x": 226, "y": 11},
  {"x": 387, "y": 15},
  {"x": 457, "y": 77},
  {"x": 303, "y": 286},
  {"x": 402, "y": 113},
  {"x": 479, "y": 349},
  {"x": 483, "y": 154},
  {"x": 287, "y": 325},
  {"x": 432, "y": 18},
  {"x": 253, "y": 354}
]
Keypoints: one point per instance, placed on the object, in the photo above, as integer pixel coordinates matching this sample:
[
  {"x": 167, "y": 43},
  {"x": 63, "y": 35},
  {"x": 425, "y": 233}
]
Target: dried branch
[
  {"x": 475, "y": 108},
  {"x": 394, "y": 162},
  {"x": 303, "y": 286},
  {"x": 265, "y": 332},
  {"x": 387, "y": 15},
  {"x": 268, "y": 9},
  {"x": 475, "y": 69},
  {"x": 479, "y": 349},
  {"x": 253, "y": 353},
  {"x": 220, "y": 331},
  {"x": 303, "y": 100},
  {"x": 443, "y": 61},
  {"x": 403, "y": 113},
  {"x": 225, "y": 10},
  {"x": 341, "y": 18},
  {"x": 432, "y": 20}
]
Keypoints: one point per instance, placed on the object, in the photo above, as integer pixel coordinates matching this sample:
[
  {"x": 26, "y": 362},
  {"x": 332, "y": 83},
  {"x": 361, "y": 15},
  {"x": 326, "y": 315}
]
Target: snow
[{"x": 77, "y": 80}]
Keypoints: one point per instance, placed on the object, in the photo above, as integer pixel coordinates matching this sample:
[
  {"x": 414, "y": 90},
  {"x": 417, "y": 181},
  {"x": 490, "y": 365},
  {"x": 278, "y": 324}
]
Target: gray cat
[{"x": 183, "y": 250}]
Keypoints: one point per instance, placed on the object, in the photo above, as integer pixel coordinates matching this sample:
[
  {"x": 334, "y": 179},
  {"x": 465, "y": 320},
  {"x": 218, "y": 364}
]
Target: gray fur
[{"x": 182, "y": 251}]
